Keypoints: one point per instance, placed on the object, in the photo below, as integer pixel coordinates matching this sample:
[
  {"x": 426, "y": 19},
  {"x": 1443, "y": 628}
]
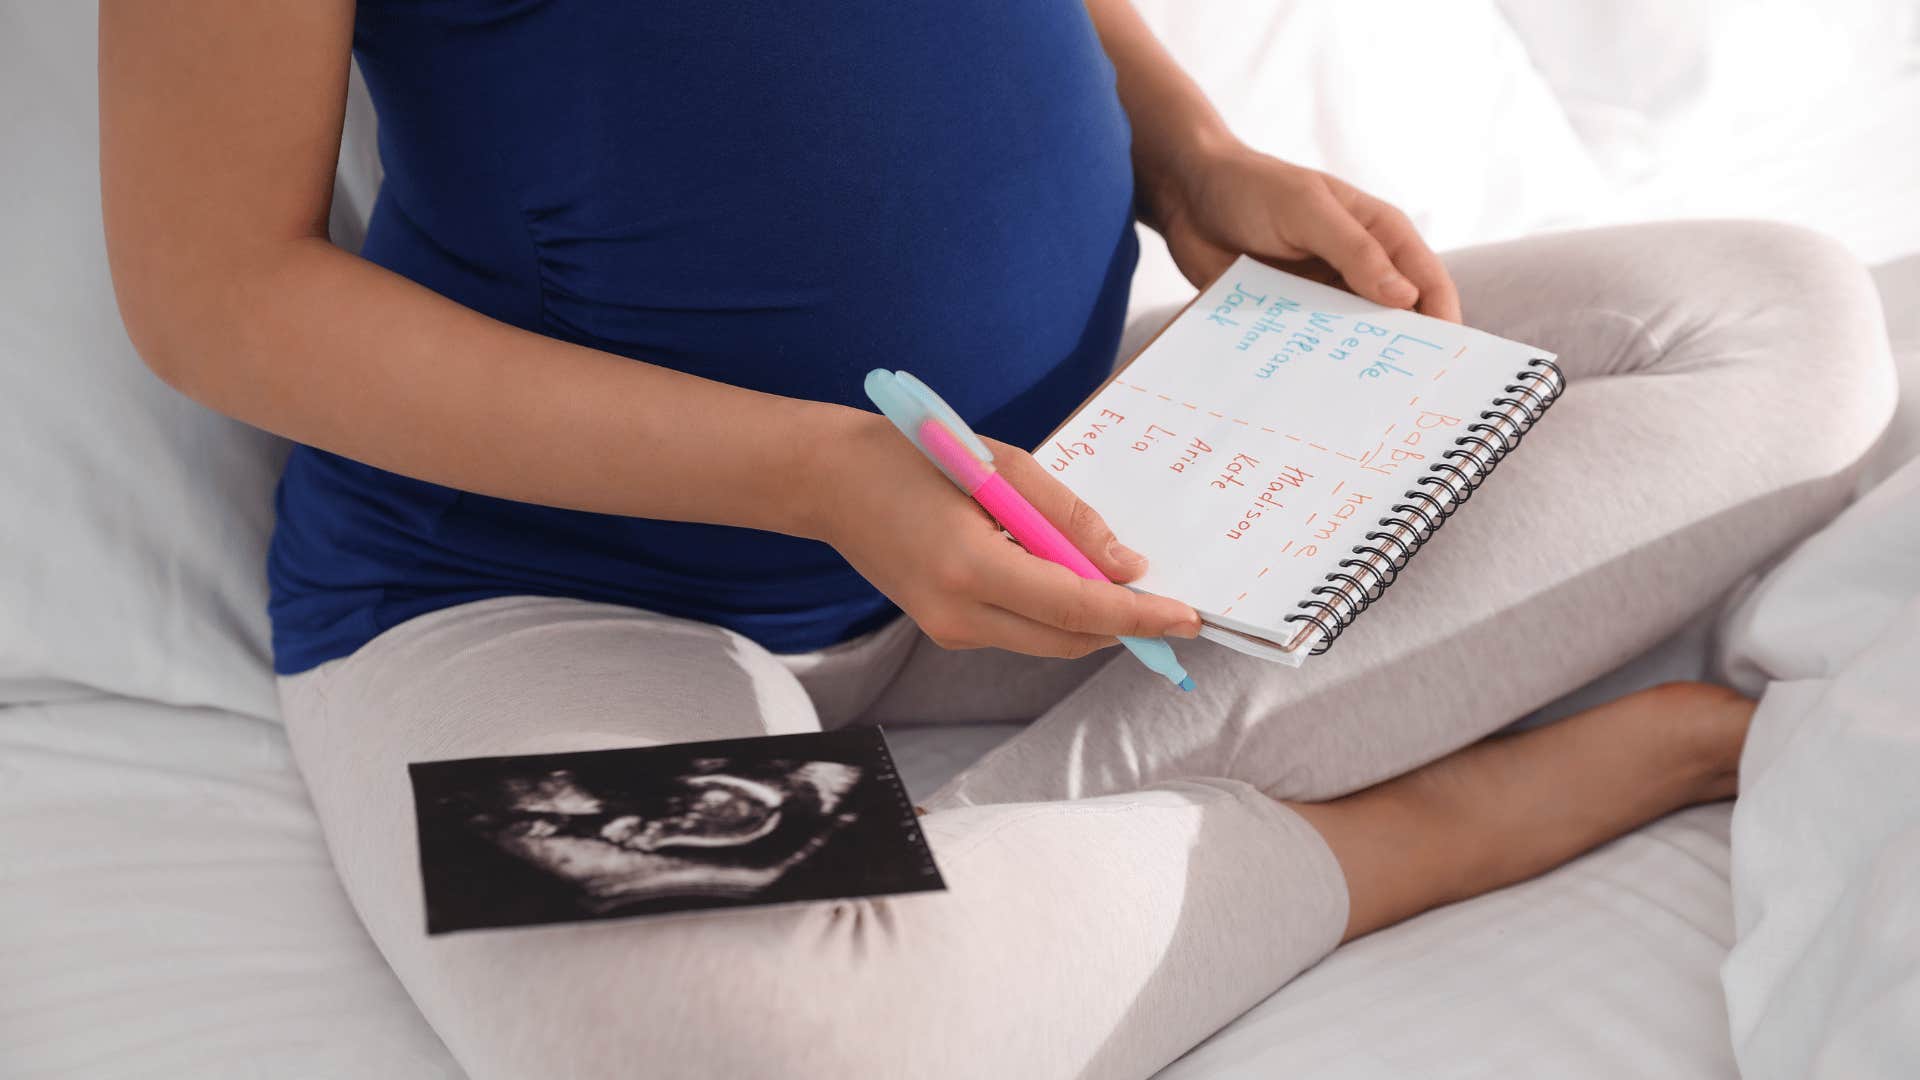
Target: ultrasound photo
[{"x": 601, "y": 834}]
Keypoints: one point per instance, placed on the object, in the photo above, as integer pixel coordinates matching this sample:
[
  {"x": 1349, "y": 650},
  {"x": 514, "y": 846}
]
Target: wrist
[
  {"x": 828, "y": 442},
  {"x": 1170, "y": 166}
]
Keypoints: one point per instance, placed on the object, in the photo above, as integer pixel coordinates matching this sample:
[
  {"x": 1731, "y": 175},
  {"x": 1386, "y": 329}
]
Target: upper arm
[{"x": 219, "y": 130}]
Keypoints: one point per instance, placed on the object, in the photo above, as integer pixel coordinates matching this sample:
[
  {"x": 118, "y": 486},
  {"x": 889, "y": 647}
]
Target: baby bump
[{"x": 852, "y": 203}]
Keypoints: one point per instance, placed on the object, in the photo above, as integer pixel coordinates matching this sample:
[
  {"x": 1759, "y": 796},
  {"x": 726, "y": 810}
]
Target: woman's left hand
[{"x": 1220, "y": 203}]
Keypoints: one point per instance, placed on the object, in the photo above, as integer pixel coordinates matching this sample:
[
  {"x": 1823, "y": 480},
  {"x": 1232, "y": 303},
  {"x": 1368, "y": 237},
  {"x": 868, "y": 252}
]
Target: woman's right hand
[{"x": 933, "y": 551}]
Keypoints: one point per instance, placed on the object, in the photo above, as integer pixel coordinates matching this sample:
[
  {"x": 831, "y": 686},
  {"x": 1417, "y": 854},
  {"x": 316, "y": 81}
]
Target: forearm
[
  {"x": 313, "y": 343},
  {"x": 1173, "y": 123},
  {"x": 220, "y": 125}
]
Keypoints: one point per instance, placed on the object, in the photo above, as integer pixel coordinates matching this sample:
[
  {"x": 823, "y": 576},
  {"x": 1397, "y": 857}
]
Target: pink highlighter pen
[{"x": 932, "y": 425}]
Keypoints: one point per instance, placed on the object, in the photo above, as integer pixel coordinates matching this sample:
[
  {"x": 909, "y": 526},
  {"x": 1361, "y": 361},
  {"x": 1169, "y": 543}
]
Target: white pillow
[
  {"x": 133, "y": 523},
  {"x": 1433, "y": 107},
  {"x": 1640, "y": 78}
]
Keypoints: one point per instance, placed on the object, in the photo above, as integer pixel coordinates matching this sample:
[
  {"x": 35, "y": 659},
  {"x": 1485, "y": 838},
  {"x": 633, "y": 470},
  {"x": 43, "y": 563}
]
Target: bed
[{"x": 166, "y": 903}]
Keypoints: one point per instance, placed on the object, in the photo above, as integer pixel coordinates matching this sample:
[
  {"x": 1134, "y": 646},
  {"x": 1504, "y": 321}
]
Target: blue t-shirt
[{"x": 771, "y": 194}]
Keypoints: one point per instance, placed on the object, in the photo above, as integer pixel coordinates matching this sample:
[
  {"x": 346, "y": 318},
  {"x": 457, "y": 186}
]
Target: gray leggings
[{"x": 1121, "y": 880}]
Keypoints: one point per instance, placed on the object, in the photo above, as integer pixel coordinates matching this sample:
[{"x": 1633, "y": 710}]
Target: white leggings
[{"x": 1121, "y": 880}]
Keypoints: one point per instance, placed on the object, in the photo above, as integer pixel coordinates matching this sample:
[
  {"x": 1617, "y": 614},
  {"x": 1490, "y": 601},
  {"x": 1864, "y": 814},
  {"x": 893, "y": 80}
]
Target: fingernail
[
  {"x": 1121, "y": 553},
  {"x": 1398, "y": 286}
]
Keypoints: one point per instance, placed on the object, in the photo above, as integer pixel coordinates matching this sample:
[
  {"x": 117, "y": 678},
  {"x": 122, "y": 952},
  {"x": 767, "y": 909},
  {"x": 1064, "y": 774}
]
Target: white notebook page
[{"x": 1273, "y": 424}]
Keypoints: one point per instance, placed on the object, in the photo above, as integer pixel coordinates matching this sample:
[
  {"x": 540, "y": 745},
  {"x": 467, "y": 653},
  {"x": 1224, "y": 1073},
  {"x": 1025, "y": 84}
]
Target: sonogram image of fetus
[
  {"x": 576, "y": 835},
  {"x": 715, "y": 830}
]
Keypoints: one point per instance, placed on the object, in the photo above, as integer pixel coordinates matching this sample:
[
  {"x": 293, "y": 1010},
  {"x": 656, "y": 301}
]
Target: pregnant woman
[{"x": 584, "y": 463}]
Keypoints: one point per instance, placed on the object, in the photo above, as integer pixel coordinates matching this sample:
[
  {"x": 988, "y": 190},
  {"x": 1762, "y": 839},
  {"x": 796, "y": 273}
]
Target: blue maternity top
[{"x": 772, "y": 194}]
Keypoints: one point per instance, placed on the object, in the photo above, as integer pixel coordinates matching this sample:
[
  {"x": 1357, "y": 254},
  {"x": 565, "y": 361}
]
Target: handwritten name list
[{"x": 1254, "y": 443}]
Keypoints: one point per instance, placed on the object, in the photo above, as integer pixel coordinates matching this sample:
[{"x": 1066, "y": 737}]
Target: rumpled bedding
[{"x": 1824, "y": 976}]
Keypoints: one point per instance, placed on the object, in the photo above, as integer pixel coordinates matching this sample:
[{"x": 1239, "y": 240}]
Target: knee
[
  {"x": 826, "y": 990},
  {"x": 1776, "y": 244},
  {"x": 1779, "y": 279},
  {"x": 1806, "y": 314}
]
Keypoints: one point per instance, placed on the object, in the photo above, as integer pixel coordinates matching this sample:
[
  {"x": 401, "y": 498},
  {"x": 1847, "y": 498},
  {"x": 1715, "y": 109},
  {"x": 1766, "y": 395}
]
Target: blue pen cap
[{"x": 910, "y": 403}]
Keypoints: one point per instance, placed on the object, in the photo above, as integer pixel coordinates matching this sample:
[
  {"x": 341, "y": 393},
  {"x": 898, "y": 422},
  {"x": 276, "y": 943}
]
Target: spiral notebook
[{"x": 1282, "y": 449}]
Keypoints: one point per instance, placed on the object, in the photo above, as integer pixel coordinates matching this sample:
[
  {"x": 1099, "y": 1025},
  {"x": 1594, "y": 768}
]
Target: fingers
[
  {"x": 1069, "y": 513},
  {"x": 1376, "y": 249},
  {"x": 985, "y": 590},
  {"x": 1055, "y": 596},
  {"x": 1009, "y": 599},
  {"x": 1438, "y": 297},
  {"x": 1330, "y": 230},
  {"x": 1005, "y": 630},
  {"x": 1403, "y": 244}
]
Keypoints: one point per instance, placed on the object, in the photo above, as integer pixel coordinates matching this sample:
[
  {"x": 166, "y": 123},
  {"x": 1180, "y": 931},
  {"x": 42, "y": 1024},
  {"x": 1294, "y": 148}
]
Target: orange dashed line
[
  {"x": 1346, "y": 455},
  {"x": 1239, "y": 598},
  {"x": 1210, "y": 412},
  {"x": 1284, "y": 548},
  {"x": 1228, "y": 610},
  {"x": 1341, "y": 484},
  {"x": 1463, "y": 348},
  {"x": 1190, "y": 405},
  {"x": 1389, "y": 430},
  {"x": 1295, "y": 438},
  {"x": 1316, "y": 446},
  {"x": 1163, "y": 397},
  {"x": 1414, "y": 400},
  {"x": 1135, "y": 386},
  {"x": 1239, "y": 421},
  {"x": 1437, "y": 374},
  {"x": 1268, "y": 430},
  {"x": 1264, "y": 569}
]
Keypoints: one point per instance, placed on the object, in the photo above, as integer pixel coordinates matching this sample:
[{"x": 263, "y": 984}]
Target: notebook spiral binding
[{"x": 1447, "y": 483}]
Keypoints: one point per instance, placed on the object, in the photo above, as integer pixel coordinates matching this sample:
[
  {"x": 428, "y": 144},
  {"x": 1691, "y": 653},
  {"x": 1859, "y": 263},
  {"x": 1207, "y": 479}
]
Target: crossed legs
[{"x": 1137, "y": 867}]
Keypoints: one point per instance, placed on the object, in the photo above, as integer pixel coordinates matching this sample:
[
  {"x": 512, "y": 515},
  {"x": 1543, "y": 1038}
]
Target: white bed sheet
[
  {"x": 167, "y": 908},
  {"x": 1824, "y": 982},
  {"x": 1605, "y": 968}
]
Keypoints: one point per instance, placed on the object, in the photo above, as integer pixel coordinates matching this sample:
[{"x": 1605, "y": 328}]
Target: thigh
[
  {"x": 932, "y": 685},
  {"x": 507, "y": 676},
  {"x": 1098, "y": 938},
  {"x": 896, "y": 676},
  {"x": 1723, "y": 380},
  {"x": 514, "y": 675},
  {"x": 520, "y": 674}
]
